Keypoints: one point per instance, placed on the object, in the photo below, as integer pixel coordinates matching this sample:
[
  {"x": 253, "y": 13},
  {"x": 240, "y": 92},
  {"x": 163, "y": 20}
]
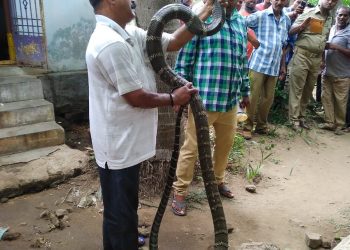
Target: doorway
[
  {"x": 4, "y": 47},
  {"x": 7, "y": 52}
]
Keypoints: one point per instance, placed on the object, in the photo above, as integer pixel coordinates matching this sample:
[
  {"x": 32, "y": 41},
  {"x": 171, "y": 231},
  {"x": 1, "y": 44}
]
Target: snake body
[{"x": 166, "y": 74}]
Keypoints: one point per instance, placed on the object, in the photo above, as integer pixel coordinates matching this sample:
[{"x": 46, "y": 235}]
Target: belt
[{"x": 308, "y": 53}]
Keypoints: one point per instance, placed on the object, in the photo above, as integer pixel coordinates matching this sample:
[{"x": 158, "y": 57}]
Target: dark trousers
[
  {"x": 120, "y": 199},
  {"x": 319, "y": 88}
]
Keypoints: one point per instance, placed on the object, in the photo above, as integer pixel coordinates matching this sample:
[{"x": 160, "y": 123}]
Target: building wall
[
  {"x": 68, "y": 91},
  {"x": 68, "y": 26}
]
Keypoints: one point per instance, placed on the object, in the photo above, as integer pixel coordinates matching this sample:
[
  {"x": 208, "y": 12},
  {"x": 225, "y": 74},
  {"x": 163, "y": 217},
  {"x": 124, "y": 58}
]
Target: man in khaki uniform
[{"x": 312, "y": 27}]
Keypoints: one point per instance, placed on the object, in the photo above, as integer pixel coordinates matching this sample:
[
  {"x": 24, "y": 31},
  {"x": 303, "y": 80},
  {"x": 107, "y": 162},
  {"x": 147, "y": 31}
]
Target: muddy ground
[{"x": 304, "y": 188}]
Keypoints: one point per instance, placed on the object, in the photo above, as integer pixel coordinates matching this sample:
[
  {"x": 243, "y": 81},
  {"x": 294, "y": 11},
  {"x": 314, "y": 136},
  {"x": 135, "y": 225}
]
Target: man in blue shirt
[{"x": 271, "y": 27}]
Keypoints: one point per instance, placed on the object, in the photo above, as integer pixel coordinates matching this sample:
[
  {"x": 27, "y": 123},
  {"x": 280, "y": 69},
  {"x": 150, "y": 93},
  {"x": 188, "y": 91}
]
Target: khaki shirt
[{"x": 314, "y": 37}]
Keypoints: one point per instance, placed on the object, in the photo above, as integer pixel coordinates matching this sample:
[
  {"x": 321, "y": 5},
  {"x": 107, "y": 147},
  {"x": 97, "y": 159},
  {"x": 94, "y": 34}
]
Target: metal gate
[{"x": 28, "y": 32}]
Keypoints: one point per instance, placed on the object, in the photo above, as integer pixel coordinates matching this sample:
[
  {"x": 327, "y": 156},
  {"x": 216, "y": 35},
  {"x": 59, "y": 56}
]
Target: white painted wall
[{"x": 68, "y": 26}]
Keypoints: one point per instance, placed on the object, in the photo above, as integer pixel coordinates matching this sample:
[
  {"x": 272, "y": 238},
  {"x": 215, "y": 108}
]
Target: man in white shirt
[{"x": 123, "y": 114}]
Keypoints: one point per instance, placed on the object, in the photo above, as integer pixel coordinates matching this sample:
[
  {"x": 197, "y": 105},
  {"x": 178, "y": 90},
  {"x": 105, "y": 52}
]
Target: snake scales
[{"x": 156, "y": 56}]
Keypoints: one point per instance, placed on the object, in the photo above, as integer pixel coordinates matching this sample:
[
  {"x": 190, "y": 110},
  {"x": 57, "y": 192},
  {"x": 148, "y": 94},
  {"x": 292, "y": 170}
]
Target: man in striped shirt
[
  {"x": 218, "y": 67},
  {"x": 271, "y": 27}
]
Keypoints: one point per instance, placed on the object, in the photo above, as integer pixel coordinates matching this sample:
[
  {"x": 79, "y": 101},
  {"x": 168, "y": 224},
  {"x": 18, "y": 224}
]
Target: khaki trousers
[
  {"x": 262, "y": 92},
  {"x": 224, "y": 124},
  {"x": 305, "y": 67},
  {"x": 335, "y": 92}
]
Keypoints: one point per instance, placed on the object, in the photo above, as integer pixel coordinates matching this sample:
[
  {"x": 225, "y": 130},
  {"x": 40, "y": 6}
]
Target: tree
[{"x": 153, "y": 172}]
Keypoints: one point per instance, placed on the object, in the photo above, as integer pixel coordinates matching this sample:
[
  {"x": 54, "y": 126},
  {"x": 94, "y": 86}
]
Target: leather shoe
[
  {"x": 246, "y": 134},
  {"x": 262, "y": 131}
]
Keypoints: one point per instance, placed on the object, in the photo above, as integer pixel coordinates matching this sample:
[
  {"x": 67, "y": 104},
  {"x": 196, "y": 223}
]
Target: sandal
[
  {"x": 178, "y": 205},
  {"x": 225, "y": 191}
]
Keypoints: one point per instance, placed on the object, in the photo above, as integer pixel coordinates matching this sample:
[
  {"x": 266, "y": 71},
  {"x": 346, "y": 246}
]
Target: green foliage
[
  {"x": 270, "y": 146},
  {"x": 254, "y": 173},
  {"x": 278, "y": 113},
  {"x": 272, "y": 133},
  {"x": 196, "y": 197},
  {"x": 313, "y": 2},
  {"x": 238, "y": 149}
]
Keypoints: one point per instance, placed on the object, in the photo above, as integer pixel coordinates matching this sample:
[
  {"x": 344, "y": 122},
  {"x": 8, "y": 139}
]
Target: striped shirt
[
  {"x": 221, "y": 68},
  {"x": 117, "y": 64},
  {"x": 272, "y": 35}
]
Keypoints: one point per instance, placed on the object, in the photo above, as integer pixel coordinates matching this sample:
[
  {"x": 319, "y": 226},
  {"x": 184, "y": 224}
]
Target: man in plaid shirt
[
  {"x": 271, "y": 27},
  {"x": 218, "y": 67}
]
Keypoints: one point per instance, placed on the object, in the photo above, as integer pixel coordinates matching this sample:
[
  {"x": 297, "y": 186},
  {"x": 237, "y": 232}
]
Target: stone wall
[{"x": 69, "y": 94}]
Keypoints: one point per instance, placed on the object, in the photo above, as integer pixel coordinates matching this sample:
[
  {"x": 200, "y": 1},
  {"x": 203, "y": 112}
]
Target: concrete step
[
  {"x": 14, "y": 89},
  {"x": 23, "y": 138},
  {"x": 27, "y": 156},
  {"x": 21, "y": 113},
  {"x": 37, "y": 170}
]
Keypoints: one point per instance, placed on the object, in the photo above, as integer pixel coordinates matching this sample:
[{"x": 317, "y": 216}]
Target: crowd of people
[
  {"x": 238, "y": 67},
  {"x": 279, "y": 36}
]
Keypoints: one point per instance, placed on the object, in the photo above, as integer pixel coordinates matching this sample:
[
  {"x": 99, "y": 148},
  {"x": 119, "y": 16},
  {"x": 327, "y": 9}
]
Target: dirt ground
[{"x": 304, "y": 188}]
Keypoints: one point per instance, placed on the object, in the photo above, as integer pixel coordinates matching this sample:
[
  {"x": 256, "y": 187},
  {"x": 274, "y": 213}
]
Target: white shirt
[
  {"x": 197, "y": 7},
  {"x": 122, "y": 135}
]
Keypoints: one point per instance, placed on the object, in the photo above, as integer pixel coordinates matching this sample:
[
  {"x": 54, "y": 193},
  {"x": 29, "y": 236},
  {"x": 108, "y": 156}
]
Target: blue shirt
[
  {"x": 218, "y": 66},
  {"x": 291, "y": 38},
  {"x": 272, "y": 35}
]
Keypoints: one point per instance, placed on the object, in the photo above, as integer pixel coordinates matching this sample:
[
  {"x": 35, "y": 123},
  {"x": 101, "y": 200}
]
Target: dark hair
[
  {"x": 344, "y": 8},
  {"x": 95, "y": 3}
]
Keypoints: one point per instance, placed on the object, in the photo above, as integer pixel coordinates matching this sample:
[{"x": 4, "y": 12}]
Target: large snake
[{"x": 156, "y": 56}]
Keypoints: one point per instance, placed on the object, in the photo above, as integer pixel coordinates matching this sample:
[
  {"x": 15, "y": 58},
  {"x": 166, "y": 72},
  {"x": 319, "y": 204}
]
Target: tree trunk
[{"x": 153, "y": 172}]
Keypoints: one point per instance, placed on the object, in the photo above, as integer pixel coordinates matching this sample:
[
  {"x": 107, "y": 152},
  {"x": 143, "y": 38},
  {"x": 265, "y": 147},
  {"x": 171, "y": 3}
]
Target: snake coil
[{"x": 166, "y": 74}]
